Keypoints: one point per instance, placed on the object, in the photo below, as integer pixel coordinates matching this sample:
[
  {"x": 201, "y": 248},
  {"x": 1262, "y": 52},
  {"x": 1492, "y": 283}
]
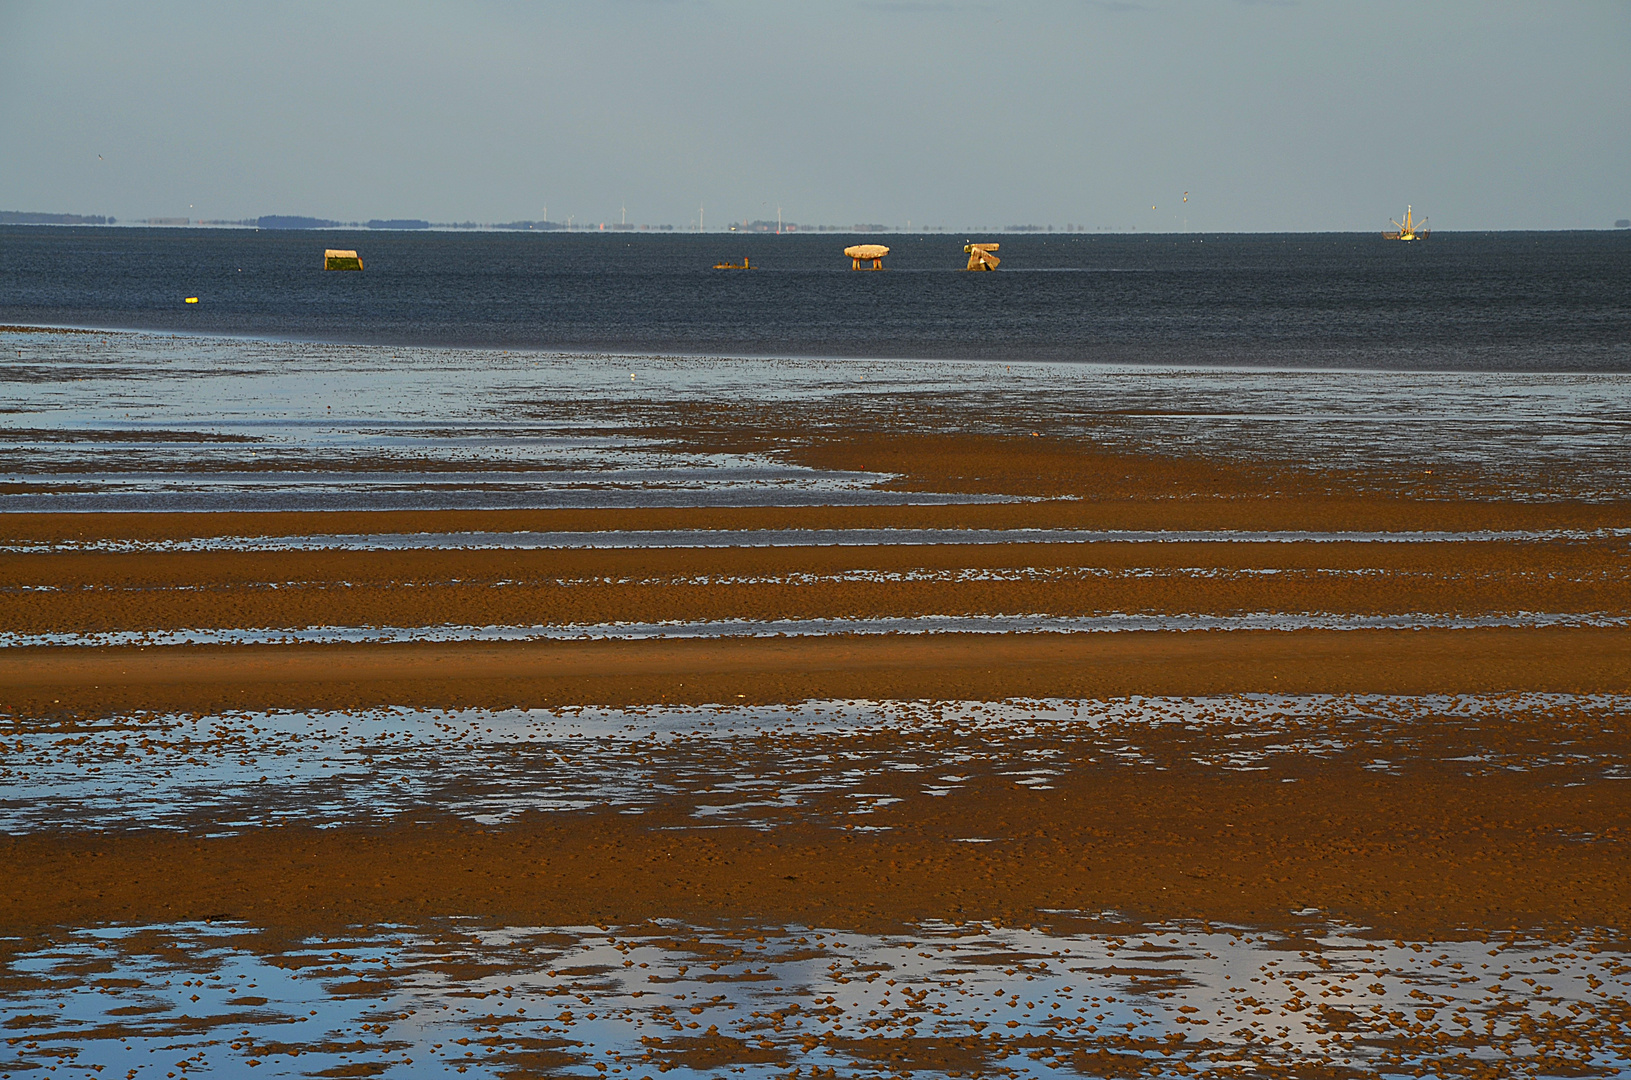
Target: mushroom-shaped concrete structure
[
  {"x": 980, "y": 257},
  {"x": 861, "y": 253}
]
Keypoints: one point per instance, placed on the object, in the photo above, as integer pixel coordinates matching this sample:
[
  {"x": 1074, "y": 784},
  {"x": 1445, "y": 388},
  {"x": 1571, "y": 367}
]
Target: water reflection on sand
[
  {"x": 133, "y": 421},
  {"x": 751, "y": 764},
  {"x": 1091, "y": 995},
  {"x": 623, "y": 539},
  {"x": 1284, "y": 621}
]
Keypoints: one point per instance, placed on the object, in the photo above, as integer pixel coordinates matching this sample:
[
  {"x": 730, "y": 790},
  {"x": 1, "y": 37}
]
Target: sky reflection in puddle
[
  {"x": 736, "y": 764},
  {"x": 1091, "y": 995}
]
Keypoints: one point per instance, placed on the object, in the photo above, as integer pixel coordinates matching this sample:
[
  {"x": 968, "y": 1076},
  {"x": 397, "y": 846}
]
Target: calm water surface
[{"x": 1501, "y": 301}]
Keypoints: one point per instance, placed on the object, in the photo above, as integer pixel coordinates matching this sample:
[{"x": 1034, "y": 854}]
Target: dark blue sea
[{"x": 1557, "y": 302}]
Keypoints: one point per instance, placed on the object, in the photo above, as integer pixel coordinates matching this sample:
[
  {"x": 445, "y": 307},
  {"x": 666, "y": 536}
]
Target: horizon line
[{"x": 825, "y": 230}]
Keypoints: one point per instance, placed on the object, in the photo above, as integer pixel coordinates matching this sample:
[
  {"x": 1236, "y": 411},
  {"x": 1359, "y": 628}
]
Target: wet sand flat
[
  {"x": 84, "y": 592},
  {"x": 1415, "y": 854},
  {"x": 973, "y": 667},
  {"x": 762, "y": 734},
  {"x": 1432, "y": 847},
  {"x": 1202, "y": 503}
]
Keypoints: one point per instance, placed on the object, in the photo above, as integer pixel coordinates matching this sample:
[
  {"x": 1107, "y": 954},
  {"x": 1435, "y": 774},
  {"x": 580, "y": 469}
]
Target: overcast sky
[{"x": 1273, "y": 116}]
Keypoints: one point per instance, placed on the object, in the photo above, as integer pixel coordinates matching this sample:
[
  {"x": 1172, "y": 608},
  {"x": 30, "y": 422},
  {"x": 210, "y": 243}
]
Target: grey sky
[{"x": 1298, "y": 116}]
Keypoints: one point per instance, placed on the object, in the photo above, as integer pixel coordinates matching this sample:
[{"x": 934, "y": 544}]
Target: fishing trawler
[{"x": 1409, "y": 229}]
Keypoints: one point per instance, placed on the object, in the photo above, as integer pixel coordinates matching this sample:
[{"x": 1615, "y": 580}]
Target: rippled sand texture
[{"x": 391, "y": 712}]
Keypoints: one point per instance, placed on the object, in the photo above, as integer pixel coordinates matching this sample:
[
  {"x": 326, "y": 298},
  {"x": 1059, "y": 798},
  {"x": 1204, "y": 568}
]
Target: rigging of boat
[{"x": 1409, "y": 229}]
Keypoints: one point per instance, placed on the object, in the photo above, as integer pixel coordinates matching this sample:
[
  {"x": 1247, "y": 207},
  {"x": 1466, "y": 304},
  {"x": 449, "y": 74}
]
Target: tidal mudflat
[
  {"x": 1088, "y": 994},
  {"x": 371, "y": 710}
]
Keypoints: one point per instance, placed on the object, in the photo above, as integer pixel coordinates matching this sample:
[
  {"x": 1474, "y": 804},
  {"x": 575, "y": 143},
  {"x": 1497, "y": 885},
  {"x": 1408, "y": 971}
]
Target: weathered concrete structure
[
  {"x": 980, "y": 256},
  {"x": 861, "y": 253}
]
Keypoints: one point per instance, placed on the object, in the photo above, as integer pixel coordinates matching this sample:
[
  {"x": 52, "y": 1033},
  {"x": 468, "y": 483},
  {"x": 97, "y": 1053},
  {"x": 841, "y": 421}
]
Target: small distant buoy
[
  {"x": 631, "y": 376},
  {"x": 192, "y": 299}
]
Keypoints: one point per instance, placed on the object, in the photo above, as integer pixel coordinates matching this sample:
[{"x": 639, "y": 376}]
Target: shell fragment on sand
[{"x": 338, "y": 259}]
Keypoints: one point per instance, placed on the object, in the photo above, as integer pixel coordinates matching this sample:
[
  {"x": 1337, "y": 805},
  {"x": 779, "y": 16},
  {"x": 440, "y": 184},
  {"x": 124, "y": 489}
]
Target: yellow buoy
[{"x": 192, "y": 299}]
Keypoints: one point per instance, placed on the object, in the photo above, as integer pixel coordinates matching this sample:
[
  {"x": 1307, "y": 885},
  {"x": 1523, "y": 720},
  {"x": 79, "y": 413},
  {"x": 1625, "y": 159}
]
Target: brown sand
[
  {"x": 967, "y": 667},
  {"x": 1245, "y": 509},
  {"x": 1429, "y": 851},
  {"x": 1432, "y": 848},
  {"x": 1060, "y": 481},
  {"x": 88, "y": 592}
]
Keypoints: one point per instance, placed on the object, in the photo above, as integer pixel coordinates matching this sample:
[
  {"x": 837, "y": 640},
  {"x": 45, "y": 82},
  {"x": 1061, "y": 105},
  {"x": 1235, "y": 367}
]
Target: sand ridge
[
  {"x": 83, "y": 592},
  {"x": 68, "y": 680},
  {"x": 1318, "y": 844},
  {"x": 1249, "y": 509},
  {"x": 1412, "y": 854}
]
